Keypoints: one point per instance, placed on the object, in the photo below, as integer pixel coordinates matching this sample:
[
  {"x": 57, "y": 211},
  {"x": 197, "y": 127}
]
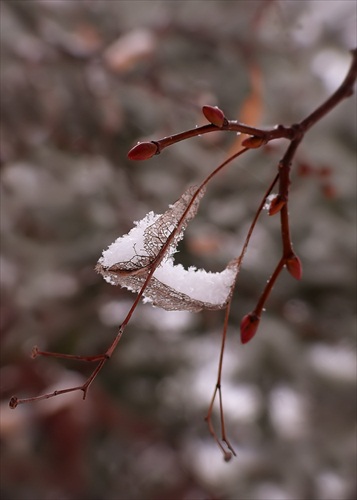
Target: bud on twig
[
  {"x": 294, "y": 266},
  {"x": 276, "y": 205},
  {"x": 248, "y": 327},
  {"x": 143, "y": 151},
  {"x": 214, "y": 115},
  {"x": 253, "y": 142}
]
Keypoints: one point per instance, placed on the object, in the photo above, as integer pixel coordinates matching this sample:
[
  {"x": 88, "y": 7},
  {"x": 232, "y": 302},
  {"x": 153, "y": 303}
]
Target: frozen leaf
[{"x": 128, "y": 261}]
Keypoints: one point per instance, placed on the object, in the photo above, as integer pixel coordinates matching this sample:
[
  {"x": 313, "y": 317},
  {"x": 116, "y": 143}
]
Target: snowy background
[{"x": 81, "y": 83}]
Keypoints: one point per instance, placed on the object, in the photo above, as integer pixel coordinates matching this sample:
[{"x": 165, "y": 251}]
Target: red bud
[
  {"x": 143, "y": 151},
  {"x": 253, "y": 142},
  {"x": 294, "y": 266},
  {"x": 214, "y": 115},
  {"x": 276, "y": 205},
  {"x": 248, "y": 327}
]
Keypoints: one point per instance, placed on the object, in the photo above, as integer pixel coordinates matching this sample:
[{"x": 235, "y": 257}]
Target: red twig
[
  {"x": 294, "y": 134},
  {"x": 228, "y": 453},
  {"x": 103, "y": 358}
]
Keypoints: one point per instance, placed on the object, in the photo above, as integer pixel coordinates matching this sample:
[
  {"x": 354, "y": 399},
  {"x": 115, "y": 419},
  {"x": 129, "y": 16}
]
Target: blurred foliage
[{"x": 81, "y": 82}]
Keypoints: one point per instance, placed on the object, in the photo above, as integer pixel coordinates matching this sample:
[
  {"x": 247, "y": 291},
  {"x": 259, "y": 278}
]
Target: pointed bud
[
  {"x": 276, "y": 205},
  {"x": 294, "y": 266},
  {"x": 214, "y": 115},
  {"x": 248, "y": 327},
  {"x": 143, "y": 151},
  {"x": 253, "y": 142}
]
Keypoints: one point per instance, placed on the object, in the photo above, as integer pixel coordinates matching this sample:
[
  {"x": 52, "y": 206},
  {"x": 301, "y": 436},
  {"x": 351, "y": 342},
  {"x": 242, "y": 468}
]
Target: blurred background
[{"x": 81, "y": 83}]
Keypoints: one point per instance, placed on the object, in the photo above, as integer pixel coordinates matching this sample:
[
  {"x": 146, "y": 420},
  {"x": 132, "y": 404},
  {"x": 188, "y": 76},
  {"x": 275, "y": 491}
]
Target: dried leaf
[{"x": 127, "y": 262}]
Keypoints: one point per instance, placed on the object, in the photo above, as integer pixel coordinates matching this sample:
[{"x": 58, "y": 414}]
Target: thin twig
[
  {"x": 103, "y": 358},
  {"x": 295, "y": 135}
]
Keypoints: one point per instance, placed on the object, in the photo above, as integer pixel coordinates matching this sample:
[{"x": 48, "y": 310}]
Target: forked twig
[
  {"x": 249, "y": 325},
  {"x": 103, "y": 358},
  {"x": 218, "y": 388},
  {"x": 250, "y": 322}
]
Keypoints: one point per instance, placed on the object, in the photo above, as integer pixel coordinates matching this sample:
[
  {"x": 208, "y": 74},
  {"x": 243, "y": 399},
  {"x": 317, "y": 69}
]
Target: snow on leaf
[{"x": 128, "y": 261}]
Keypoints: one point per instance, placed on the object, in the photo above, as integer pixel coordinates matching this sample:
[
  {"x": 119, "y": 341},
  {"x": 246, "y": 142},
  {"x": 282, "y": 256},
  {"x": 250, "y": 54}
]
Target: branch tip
[
  {"x": 249, "y": 326},
  {"x": 294, "y": 266},
  {"x": 143, "y": 151},
  {"x": 214, "y": 115}
]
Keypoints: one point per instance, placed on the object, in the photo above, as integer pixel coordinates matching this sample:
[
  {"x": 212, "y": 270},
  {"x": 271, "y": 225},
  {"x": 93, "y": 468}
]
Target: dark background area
[{"x": 81, "y": 83}]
